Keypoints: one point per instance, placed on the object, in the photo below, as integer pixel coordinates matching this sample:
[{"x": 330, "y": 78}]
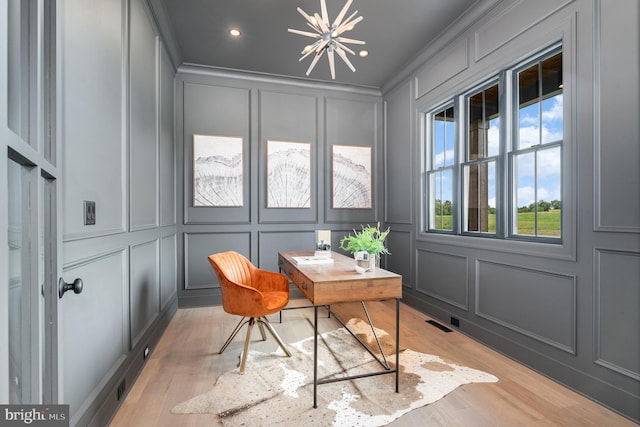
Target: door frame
[{"x": 41, "y": 154}]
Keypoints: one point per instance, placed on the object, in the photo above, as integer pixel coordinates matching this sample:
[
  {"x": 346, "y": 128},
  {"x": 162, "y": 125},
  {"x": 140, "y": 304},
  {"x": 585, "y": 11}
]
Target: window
[
  {"x": 496, "y": 180},
  {"x": 482, "y": 155},
  {"x": 537, "y": 151},
  {"x": 442, "y": 163}
]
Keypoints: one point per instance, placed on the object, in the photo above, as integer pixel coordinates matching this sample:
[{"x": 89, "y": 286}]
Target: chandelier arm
[
  {"x": 321, "y": 24},
  {"x": 315, "y": 28},
  {"x": 352, "y": 41},
  {"x": 345, "y": 59},
  {"x": 315, "y": 60},
  {"x": 348, "y": 25},
  {"x": 346, "y": 22},
  {"x": 323, "y": 44},
  {"x": 312, "y": 49},
  {"x": 332, "y": 65},
  {"x": 325, "y": 16},
  {"x": 338, "y": 20},
  {"x": 343, "y": 47},
  {"x": 309, "y": 19},
  {"x": 305, "y": 33}
]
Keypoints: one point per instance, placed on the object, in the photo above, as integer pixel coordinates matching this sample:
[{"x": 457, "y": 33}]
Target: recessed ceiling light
[
  {"x": 234, "y": 32},
  {"x": 363, "y": 53}
]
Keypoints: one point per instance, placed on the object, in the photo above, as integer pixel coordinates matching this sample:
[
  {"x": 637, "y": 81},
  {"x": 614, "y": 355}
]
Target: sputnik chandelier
[{"x": 328, "y": 36}]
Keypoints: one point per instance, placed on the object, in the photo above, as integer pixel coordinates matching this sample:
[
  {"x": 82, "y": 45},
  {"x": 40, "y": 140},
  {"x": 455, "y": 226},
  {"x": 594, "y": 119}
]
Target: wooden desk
[
  {"x": 338, "y": 282},
  {"x": 325, "y": 284}
]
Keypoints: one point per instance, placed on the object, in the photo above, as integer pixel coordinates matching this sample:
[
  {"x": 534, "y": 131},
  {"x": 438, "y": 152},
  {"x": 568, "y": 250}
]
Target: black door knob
[{"x": 63, "y": 287}]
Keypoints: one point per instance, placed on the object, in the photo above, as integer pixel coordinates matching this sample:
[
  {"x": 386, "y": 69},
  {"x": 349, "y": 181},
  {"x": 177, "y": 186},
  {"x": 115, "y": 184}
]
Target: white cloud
[
  {"x": 441, "y": 157},
  {"x": 529, "y": 136},
  {"x": 556, "y": 110},
  {"x": 493, "y": 135},
  {"x": 526, "y": 196}
]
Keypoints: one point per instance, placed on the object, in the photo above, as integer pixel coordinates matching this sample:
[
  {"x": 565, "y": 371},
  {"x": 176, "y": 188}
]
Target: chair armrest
[
  {"x": 269, "y": 281},
  {"x": 242, "y": 300}
]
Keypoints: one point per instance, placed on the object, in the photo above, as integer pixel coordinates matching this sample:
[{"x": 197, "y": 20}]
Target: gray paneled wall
[
  {"x": 616, "y": 310},
  {"x": 617, "y": 175},
  {"x": 117, "y": 134},
  {"x": 91, "y": 115},
  {"x": 96, "y": 317},
  {"x": 278, "y": 111},
  {"x": 569, "y": 310},
  {"x": 258, "y": 110},
  {"x": 218, "y": 111},
  {"x": 143, "y": 141},
  {"x": 443, "y": 276},
  {"x": 541, "y": 304}
]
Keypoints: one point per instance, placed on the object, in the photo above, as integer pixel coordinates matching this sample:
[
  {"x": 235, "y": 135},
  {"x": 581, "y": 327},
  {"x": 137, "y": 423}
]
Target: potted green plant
[{"x": 369, "y": 241}]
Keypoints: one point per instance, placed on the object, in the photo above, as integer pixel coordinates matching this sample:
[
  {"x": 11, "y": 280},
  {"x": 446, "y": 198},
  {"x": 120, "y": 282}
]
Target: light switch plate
[{"x": 89, "y": 213}]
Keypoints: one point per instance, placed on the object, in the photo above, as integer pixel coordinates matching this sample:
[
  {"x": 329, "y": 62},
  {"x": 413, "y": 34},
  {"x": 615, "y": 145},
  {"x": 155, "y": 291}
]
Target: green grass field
[{"x": 548, "y": 223}]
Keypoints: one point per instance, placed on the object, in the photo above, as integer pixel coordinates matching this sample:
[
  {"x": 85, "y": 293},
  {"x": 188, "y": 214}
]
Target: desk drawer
[{"x": 303, "y": 283}]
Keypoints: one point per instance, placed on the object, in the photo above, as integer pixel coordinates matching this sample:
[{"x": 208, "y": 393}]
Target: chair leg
[
  {"x": 233, "y": 334},
  {"x": 264, "y": 337},
  {"x": 265, "y": 321},
  {"x": 246, "y": 344}
]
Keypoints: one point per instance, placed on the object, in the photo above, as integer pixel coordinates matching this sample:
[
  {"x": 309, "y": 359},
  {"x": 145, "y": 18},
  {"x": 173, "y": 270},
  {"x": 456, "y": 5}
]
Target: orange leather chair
[{"x": 251, "y": 293}]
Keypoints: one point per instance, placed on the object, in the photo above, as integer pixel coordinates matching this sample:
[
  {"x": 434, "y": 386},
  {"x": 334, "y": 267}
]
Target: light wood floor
[{"x": 185, "y": 364}]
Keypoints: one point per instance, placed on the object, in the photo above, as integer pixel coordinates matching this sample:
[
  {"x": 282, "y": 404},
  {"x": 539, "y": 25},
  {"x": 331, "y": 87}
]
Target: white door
[{"x": 28, "y": 199}]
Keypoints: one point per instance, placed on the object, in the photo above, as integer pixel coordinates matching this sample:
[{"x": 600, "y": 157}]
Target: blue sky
[{"x": 535, "y": 130}]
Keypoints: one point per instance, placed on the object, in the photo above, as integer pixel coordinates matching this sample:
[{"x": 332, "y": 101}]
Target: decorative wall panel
[
  {"x": 95, "y": 132},
  {"x": 399, "y": 244},
  {"x": 168, "y": 269},
  {"x": 219, "y": 111},
  {"x": 198, "y": 246},
  {"x": 166, "y": 140},
  {"x": 399, "y": 159},
  {"x": 617, "y": 313},
  {"x": 270, "y": 243},
  {"x": 539, "y": 304},
  {"x": 292, "y": 118},
  {"x": 144, "y": 288},
  {"x": 512, "y": 21},
  {"x": 446, "y": 64},
  {"x": 143, "y": 141},
  {"x": 100, "y": 310},
  {"x": 350, "y": 123},
  {"x": 444, "y": 277},
  {"x": 617, "y": 176}
]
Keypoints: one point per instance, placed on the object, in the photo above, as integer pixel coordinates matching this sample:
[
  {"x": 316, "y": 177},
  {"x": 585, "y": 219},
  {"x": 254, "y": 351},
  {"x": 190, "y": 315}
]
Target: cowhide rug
[{"x": 278, "y": 390}]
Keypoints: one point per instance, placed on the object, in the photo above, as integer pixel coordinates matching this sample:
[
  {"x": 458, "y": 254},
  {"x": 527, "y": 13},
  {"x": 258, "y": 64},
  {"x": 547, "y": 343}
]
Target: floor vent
[{"x": 439, "y": 326}]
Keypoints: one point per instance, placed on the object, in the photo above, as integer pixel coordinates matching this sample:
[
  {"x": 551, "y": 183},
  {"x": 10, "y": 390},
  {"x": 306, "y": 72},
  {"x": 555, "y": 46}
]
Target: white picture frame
[
  {"x": 351, "y": 177},
  {"x": 218, "y": 177},
  {"x": 288, "y": 174}
]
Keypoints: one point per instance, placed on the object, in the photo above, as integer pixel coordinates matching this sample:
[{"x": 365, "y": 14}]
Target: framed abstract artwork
[
  {"x": 351, "y": 180},
  {"x": 217, "y": 171},
  {"x": 288, "y": 174}
]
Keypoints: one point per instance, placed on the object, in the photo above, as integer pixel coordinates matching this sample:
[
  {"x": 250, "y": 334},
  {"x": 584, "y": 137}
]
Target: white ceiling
[{"x": 395, "y": 31}]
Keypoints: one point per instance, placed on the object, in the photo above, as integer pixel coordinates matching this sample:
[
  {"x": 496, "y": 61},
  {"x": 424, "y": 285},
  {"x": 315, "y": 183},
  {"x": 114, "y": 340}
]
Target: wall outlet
[
  {"x": 121, "y": 389},
  {"x": 89, "y": 212},
  {"x": 455, "y": 322}
]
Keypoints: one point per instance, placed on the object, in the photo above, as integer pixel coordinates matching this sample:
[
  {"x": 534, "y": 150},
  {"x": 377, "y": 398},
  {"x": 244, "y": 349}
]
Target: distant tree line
[
  {"x": 444, "y": 208},
  {"x": 543, "y": 206}
]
